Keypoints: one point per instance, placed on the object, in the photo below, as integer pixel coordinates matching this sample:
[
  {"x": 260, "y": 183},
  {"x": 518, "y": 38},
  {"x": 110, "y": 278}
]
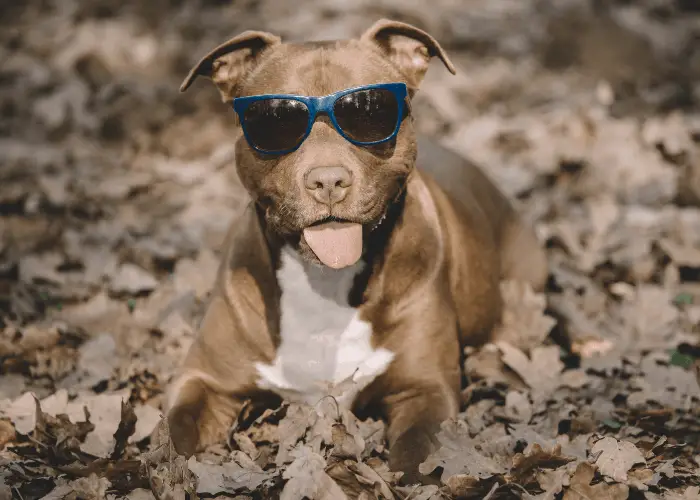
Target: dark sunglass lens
[
  {"x": 367, "y": 115},
  {"x": 276, "y": 124}
]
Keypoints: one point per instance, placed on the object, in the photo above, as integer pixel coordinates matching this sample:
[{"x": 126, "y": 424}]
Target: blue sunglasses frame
[{"x": 324, "y": 105}]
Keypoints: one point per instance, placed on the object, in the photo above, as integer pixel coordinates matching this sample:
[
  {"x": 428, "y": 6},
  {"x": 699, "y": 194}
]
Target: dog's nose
[{"x": 328, "y": 184}]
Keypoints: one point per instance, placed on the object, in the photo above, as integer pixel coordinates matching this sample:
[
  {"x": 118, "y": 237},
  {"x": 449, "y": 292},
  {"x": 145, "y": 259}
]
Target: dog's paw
[
  {"x": 408, "y": 452},
  {"x": 183, "y": 431}
]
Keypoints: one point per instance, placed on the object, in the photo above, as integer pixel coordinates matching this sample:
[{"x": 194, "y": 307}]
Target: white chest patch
[{"x": 325, "y": 347}]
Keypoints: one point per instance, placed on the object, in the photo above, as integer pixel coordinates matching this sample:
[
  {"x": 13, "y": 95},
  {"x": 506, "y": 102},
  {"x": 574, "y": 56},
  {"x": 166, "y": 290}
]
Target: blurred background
[
  {"x": 113, "y": 184},
  {"x": 116, "y": 190}
]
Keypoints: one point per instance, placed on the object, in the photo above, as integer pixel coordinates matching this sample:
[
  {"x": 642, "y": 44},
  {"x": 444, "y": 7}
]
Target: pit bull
[{"x": 365, "y": 261}]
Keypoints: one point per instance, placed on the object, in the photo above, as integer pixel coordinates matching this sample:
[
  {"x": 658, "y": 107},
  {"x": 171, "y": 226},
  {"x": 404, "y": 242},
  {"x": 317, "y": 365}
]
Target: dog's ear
[
  {"x": 407, "y": 47},
  {"x": 228, "y": 62}
]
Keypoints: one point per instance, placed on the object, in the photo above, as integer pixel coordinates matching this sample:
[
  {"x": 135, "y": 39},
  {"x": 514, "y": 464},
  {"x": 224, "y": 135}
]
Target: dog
[{"x": 366, "y": 259}]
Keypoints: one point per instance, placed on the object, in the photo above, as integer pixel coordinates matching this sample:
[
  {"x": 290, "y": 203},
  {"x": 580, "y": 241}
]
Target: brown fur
[{"x": 431, "y": 285}]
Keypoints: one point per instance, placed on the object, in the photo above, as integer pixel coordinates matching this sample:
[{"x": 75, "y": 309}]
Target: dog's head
[{"x": 327, "y": 178}]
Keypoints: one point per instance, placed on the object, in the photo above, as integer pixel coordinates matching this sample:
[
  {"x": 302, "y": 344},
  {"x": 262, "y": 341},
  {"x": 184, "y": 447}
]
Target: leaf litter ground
[{"x": 115, "y": 193}]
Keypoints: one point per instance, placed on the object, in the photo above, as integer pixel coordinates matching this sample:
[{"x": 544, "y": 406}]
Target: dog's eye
[{"x": 367, "y": 115}]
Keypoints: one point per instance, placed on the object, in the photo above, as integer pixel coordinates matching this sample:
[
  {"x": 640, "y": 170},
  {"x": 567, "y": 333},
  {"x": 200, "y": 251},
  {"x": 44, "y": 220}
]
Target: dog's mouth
[
  {"x": 335, "y": 241},
  {"x": 331, "y": 218}
]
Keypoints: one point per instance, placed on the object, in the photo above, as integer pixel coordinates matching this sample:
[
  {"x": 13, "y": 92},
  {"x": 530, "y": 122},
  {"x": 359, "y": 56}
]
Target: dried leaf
[
  {"x": 542, "y": 371},
  {"x": 97, "y": 360},
  {"x": 147, "y": 418},
  {"x": 616, "y": 457},
  {"x": 357, "y": 479},
  {"x": 458, "y": 455},
  {"x": 89, "y": 488},
  {"x": 240, "y": 474},
  {"x": 306, "y": 477},
  {"x": 172, "y": 480},
  {"x": 105, "y": 414},
  {"x": 430, "y": 492},
  {"x": 486, "y": 364},
  {"x": 581, "y": 488},
  {"x": 671, "y": 386},
  {"x": 345, "y": 445},
  {"x": 197, "y": 275},
  {"x": 524, "y": 324},
  {"x": 291, "y": 429},
  {"x": 463, "y": 485},
  {"x": 126, "y": 428},
  {"x": 132, "y": 280},
  {"x": 552, "y": 482},
  {"x": 648, "y": 317},
  {"x": 518, "y": 407}
]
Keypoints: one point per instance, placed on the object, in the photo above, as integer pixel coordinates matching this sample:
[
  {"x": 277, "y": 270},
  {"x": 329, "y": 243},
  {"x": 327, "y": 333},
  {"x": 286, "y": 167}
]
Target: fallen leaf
[
  {"x": 552, "y": 481},
  {"x": 197, "y": 275},
  {"x": 668, "y": 385},
  {"x": 172, "y": 480},
  {"x": 291, "y": 429},
  {"x": 518, "y": 407},
  {"x": 132, "y": 280},
  {"x": 616, "y": 457},
  {"x": 486, "y": 364},
  {"x": 306, "y": 478},
  {"x": 382, "y": 469},
  {"x": 418, "y": 492},
  {"x": 22, "y": 411},
  {"x": 105, "y": 414},
  {"x": 681, "y": 254},
  {"x": 463, "y": 485},
  {"x": 535, "y": 458},
  {"x": 346, "y": 445},
  {"x": 541, "y": 372},
  {"x": 238, "y": 475},
  {"x": 147, "y": 418},
  {"x": 97, "y": 360},
  {"x": 691, "y": 492},
  {"x": 357, "y": 479},
  {"x": 373, "y": 433},
  {"x": 60, "y": 437},
  {"x": 648, "y": 318},
  {"x": 41, "y": 268},
  {"x": 458, "y": 455},
  {"x": 127, "y": 425},
  {"x": 140, "y": 494},
  {"x": 90, "y": 487},
  {"x": 99, "y": 315},
  {"x": 524, "y": 324},
  {"x": 582, "y": 489}
]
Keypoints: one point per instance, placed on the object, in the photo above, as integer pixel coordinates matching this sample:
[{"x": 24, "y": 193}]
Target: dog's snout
[{"x": 328, "y": 184}]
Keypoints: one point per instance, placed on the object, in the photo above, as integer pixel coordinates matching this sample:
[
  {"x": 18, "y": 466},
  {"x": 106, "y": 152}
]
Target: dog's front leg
[
  {"x": 200, "y": 415},
  {"x": 217, "y": 376},
  {"x": 421, "y": 387},
  {"x": 415, "y": 415}
]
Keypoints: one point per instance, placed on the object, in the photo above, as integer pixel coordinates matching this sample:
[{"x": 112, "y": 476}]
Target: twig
[
  {"x": 492, "y": 492},
  {"x": 337, "y": 405},
  {"x": 408, "y": 497}
]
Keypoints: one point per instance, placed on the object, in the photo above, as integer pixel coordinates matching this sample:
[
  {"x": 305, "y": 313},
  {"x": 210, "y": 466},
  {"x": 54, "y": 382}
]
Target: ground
[{"x": 116, "y": 190}]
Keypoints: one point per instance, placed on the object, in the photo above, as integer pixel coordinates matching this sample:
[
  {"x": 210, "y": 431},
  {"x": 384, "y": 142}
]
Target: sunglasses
[{"x": 366, "y": 115}]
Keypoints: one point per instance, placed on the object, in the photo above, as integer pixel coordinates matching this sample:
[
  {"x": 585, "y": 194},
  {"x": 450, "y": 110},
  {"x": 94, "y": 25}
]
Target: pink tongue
[{"x": 336, "y": 244}]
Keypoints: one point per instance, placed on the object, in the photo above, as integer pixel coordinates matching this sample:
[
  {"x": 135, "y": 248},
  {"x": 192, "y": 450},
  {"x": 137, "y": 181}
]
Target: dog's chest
[{"x": 325, "y": 348}]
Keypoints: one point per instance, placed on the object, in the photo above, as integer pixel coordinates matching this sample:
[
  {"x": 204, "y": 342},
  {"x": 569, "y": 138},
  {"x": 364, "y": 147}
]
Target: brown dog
[{"x": 385, "y": 331}]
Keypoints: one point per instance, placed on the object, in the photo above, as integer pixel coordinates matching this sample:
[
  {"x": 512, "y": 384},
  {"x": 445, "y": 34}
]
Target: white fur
[{"x": 325, "y": 347}]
